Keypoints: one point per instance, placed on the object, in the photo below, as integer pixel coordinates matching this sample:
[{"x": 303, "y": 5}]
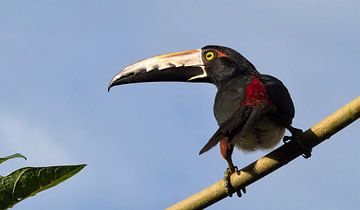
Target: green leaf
[
  {"x": 28, "y": 181},
  {"x": 17, "y": 155}
]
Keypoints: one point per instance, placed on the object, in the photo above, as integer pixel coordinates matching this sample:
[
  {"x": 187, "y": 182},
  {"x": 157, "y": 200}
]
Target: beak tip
[{"x": 111, "y": 84}]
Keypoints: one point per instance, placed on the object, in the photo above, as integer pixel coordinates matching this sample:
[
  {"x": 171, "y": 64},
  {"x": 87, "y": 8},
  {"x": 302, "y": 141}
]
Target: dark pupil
[{"x": 209, "y": 55}]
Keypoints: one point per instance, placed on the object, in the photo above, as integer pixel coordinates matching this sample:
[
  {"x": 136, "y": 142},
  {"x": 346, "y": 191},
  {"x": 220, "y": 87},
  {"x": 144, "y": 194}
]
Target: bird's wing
[
  {"x": 243, "y": 118},
  {"x": 280, "y": 98}
]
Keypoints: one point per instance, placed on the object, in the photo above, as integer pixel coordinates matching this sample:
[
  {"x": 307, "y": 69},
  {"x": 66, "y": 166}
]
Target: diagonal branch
[{"x": 275, "y": 159}]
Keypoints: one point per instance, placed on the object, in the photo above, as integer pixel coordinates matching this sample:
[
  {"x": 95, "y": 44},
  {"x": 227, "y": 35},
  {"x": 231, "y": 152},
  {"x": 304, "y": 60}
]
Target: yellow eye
[{"x": 210, "y": 56}]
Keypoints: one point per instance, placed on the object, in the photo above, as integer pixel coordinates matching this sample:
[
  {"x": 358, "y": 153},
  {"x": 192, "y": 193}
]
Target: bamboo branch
[{"x": 275, "y": 159}]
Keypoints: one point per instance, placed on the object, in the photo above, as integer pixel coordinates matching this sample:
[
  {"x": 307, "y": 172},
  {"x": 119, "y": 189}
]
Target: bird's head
[
  {"x": 223, "y": 63},
  {"x": 211, "y": 64}
]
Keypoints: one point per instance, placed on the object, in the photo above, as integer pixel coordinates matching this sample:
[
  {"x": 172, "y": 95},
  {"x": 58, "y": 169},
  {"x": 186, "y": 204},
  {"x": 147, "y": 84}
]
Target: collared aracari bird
[{"x": 251, "y": 109}]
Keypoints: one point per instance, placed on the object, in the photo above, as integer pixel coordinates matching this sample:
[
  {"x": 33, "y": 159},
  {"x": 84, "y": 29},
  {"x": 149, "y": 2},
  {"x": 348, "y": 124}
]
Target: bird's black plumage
[
  {"x": 234, "y": 116},
  {"x": 281, "y": 99}
]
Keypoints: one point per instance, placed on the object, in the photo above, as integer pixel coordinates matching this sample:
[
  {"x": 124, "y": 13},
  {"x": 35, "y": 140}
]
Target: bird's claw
[
  {"x": 227, "y": 183},
  {"x": 286, "y": 139},
  {"x": 296, "y": 135}
]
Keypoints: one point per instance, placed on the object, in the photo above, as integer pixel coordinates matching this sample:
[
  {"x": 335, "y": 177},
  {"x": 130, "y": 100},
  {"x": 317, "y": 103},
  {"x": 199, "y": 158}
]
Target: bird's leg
[
  {"x": 296, "y": 135},
  {"x": 226, "y": 150}
]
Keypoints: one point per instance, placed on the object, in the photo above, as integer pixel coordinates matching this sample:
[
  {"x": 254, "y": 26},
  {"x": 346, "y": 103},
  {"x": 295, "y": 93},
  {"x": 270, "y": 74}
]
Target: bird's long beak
[{"x": 186, "y": 66}]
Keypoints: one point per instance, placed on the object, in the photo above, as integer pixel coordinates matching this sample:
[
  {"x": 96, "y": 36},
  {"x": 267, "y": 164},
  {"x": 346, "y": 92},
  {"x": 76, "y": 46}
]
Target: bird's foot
[
  {"x": 227, "y": 183},
  {"x": 296, "y": 135}
]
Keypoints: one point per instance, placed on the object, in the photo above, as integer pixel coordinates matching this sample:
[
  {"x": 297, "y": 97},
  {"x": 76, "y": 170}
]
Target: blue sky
[{"x": 141, "y": 142}]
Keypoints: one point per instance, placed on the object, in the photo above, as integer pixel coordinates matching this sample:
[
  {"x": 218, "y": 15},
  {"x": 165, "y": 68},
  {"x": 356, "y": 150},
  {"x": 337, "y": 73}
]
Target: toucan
[{"x": 252, "y": 109}]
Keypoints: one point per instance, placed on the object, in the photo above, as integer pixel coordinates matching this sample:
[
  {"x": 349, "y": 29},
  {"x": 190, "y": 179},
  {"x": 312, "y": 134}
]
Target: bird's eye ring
[{"x": 210, "y": 56}]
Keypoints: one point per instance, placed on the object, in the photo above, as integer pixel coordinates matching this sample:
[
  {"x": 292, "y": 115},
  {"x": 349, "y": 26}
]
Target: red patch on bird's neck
[{"x": 255, "y": 93}]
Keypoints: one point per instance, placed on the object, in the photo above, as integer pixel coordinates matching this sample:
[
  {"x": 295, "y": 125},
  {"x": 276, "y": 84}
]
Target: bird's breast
[
  {"x": 225, "y": 105},
  {"x": 229, "y": 98}
]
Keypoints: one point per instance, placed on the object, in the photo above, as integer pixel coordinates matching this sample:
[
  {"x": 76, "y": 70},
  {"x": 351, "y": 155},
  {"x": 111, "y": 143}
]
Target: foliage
[{"x": 28, "y": 181}]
